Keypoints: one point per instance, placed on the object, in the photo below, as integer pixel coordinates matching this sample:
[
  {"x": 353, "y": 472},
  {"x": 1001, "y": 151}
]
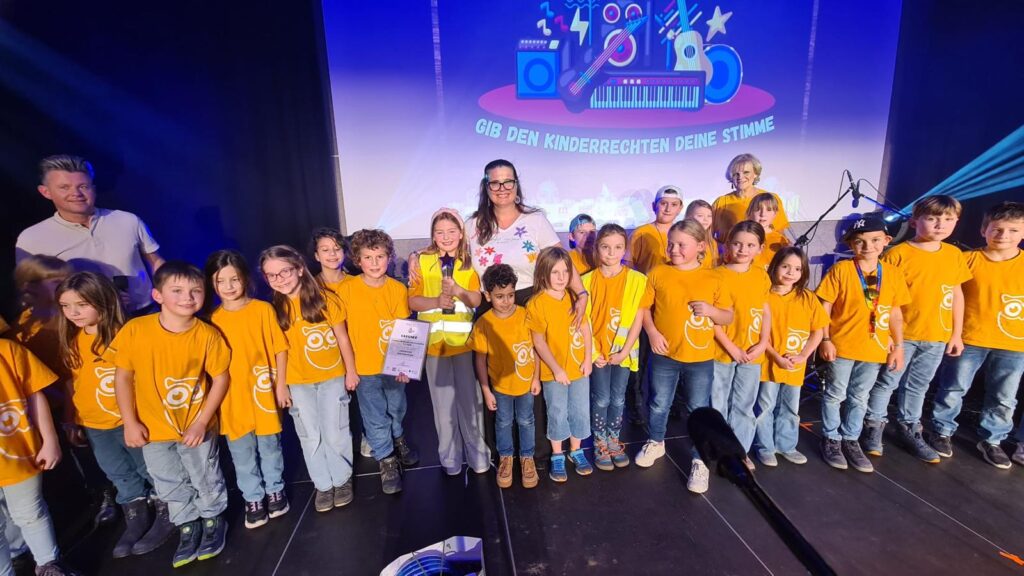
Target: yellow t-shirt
[
  {"x": 442, "y": 348},
  {"x": 931, "y": 278},
  {"x": 93, "y": 383},
  {"x": 994, "y": 302},
  {"x": 750, "y": 292},
  {"x": 371, "y": 314},
  {"x": 172, "y": 372},
  {"x": 21, "y": 375},
  {"x": 509, "y": 348},
  {"x": 255, "y": 339},
  {"x": 728, "y": 209},
  {"x": 606, "y": 305},
  {"x": 37, "y": 331},
  {"x": 669, "y": 292},
  {"x": 333, "y": 286},
  {"x": 648, "y": 248},
  {"x": 773, "y": 242},
  {"x": 850, "y": 325},
  {"x": 552, "y": 319},
  {"x": 710, "y": 254},
  {"x": 794, "y": 317},
  {"x": 579, "y": 262},
  {"x": 313, "y": 354}
]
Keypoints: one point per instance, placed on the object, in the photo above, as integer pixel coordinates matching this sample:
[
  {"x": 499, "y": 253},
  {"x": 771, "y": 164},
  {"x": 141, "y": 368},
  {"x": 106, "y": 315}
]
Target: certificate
[{"x": 407, "y": 348}]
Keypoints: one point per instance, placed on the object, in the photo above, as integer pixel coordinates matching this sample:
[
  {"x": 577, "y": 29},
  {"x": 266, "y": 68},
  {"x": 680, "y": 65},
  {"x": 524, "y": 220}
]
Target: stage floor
[{"x": 959, "y": 516}]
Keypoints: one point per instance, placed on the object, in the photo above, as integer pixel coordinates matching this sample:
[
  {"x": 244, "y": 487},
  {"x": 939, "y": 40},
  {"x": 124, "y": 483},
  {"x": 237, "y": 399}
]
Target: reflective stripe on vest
[
  {"x": 452, "y": 329},
  {"x": 636, "y": 284}
]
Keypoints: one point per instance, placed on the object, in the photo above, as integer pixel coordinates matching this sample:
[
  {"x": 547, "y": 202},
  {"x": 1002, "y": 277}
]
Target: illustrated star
[
  {"x": 520, "y": 231},
  {"x": 489, "y": 250},
  {"x": 717, "y": 23},
  {"x": 483, "y": 262},
  {"x": 528, "y": 246}
]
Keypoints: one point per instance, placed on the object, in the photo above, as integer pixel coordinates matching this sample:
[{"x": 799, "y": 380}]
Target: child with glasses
[{"x": 863, "y": 298}]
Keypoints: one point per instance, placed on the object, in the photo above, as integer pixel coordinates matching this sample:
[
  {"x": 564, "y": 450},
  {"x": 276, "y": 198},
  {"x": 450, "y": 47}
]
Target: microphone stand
[{"x": 805, "y": 237}]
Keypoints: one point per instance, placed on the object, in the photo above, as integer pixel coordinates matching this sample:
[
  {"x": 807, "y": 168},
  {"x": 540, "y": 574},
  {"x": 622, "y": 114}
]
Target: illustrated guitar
[
  {"x": 575, "y": 86},
  {"x": 689, "y": 47}
]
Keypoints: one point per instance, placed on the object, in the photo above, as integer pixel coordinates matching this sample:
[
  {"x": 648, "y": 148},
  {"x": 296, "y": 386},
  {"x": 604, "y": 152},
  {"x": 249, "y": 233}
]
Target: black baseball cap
[{"x": 870, "y": 222}]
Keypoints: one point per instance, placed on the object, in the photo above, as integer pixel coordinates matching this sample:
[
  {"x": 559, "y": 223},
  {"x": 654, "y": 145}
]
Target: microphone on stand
[
  {"x": 854, "y": 189},
  {"x": 447, "y": 271}
]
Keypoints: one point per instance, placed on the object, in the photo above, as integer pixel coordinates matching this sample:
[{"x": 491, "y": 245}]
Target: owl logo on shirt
[
  {"x": 181, "y": 394},
  {"x": 576, "y": 346},
  {"x": 13, "y": 420},
  {"x": 946, "y": 308},
  {"x": 321, "y": 347},
  {"x": 754, "y": 331},
  {"x": 264, "y": 388},
  {"x": 613, "y": 325},
  {"x": 882, "y": 325},
  {"x": 386, "y": 326},
  {"x": 698, "y": 328},
  {"x": 105, "y": 396},
  {"x": 796, "y": 340},
  {"x": 1011, "y": 318},
  {"x": 523, "y": 351}
]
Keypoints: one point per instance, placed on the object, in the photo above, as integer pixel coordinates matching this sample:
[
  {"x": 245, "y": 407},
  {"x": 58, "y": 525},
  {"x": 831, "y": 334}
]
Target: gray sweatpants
[{"x": 458, "y": 412}]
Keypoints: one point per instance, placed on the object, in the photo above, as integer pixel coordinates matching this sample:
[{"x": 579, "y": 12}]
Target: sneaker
[
  {"x": 602, "y": 457},
  {"x": 855, "y": 456},
  {"x": 107, "y": 513},
  {"x": 557, "y": 471},
  {"x": 748, "y": 463},
  {"x": 994, "y": 455},
  {"x": 871, "y": 436},
  {"x": 137, "y": 517},
  {"x": 796, "y": 457},
  {"x": 277, "y": 504},
  {"x": 529, "y": 468},
  {"x": 1018, "y": 454},
  {"x": 189, "y": 535},
  {"x": 618, "y": 453},
  {"x": 255, "y": 514},
  {"x": 215, "y": 532},
  {"x": 943, "y": 445},
  {"x": 364, "y": 448},
  {"x": 767, "y": 458},
  {"x": 504, "y": 472},
  {"x": 580, "y": 462},
  {"x": 649, "y": 453},
  {"x": 390, "y": 475},
  {"x": 343, "y": 494},
  {"x": 911, "y": 438},
  {"x": 699, "y": 475},
  {"x": 323, "y": 501},
  {"x": 406, "y": 454},
  {"x": 158, "y": 532},
  {"x": 832, "y": 453}
]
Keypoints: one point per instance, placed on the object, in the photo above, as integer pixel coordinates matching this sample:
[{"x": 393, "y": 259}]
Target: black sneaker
[
  {"x": 911, "y": 438},
  {"x": 215, "y": 532},
  {"x": 277, "y": 504},
  {"x": 390, "y": 475},
  {"x": 872, "y": 437},
  {"x": 943, "y": 445},
  {"x": 832, "y": 453},
  {"x": 406, "y": 454},
  {"x": 107, "y": 513},
  {"x": 855, "y": 456},
  {"x": 994, "y": 455},
  {"x": 324, "y": 500},
  {"x": 255, "y": 514},
  {"x": 189, "y": 535},
  {"x": 343, "y": 494}
]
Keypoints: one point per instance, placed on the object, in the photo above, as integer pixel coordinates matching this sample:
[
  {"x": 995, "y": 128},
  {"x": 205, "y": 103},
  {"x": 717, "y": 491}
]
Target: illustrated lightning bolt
[{"x": 579, "y": 26}]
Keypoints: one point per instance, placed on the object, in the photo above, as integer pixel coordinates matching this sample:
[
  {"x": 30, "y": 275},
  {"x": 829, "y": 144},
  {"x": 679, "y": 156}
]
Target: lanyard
[{"x": 869, "y": 299}]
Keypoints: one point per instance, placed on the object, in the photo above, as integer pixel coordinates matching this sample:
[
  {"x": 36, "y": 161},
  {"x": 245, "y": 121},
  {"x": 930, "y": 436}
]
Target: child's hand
[
  {"x": 659, "y": 345},
  {"x": 701, "y": 308},
  {"x": 75, "y": 435},
  {"x": 786, "y": 362},
  {"x": 562, "y": 378},
  {"x": 828, "y": 351},
  {"x": 351, "y": 381},
  {"x": 136, "y": 435},
  {"x": 48, "y": 456},
  {"x": 755, "y": 351},
  {"x": 449, "y": 287},
  {"x": 283, "y": 396},
  {"x": 445, "y": 301},
  {"x": 402, "y": 378},
  {"x": 618, "y": 358},
  {"x": 588, "y": 369},
  {"x": 414, "y": 267},
  {"x": 579, "y": 311},
  {"x": 600, "y": 362},
  {"x": 194, "y": 434},
  {"x": 895, "y": 359},
  {"x": 739, "y": 356},
  {"x": 490, "y": 401},
  {"x": 535, "y": 387},
  {"x": 955, "y": 346}
]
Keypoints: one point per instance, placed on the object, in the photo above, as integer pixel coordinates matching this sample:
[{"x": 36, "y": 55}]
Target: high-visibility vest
[
  {"x": 636, "y": 284},
  {"x": 452, "y": 329}
]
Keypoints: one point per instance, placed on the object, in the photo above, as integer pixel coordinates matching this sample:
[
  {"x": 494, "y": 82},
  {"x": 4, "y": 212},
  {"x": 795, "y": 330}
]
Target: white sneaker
[
  {"x": 699, "y": 474},
  {"x": 649, "y": 453},
  {"x": 364, "y": 448}
]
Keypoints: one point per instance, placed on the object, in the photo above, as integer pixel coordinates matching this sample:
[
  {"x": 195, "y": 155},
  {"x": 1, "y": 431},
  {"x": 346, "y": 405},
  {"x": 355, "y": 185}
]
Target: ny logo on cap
[{"x": 860, "y": 224}]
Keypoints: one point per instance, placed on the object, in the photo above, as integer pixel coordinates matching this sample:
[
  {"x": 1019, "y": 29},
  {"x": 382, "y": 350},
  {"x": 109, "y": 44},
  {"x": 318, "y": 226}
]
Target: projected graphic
[{"x": 601, "y": 102}]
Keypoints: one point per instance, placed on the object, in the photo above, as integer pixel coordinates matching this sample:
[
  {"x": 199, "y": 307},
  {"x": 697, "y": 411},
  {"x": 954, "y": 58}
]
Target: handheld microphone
[{"x": 447, "y": 271}]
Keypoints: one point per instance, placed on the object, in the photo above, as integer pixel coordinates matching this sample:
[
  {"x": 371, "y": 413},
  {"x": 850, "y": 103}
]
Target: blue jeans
[
  {"x": 320, "y": 414},
  {"x": 1003, "y": 370},
  {"x": 778, "y": 418},
  {"x": 125, "y": 467},
  {"x": 734, "y": 393},
  {"x": 922, "y": 361},
  {"x": 607, "y": 399},
  {"x": 851, "y": 383},
  {"x": 382, "y": 405},
  {"x": 697, "y": 379},
  {"x": 259, "y": 465},
  {"x": 568, "y": 409},
  {"x": 519, "y": 408},
  {"x": 28, "y": 511},
  {"x": 189, "y": 480}
]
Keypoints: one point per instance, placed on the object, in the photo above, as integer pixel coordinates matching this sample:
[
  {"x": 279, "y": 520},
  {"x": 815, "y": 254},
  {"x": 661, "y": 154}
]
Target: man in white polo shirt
[{"x": 113, "y": 242}]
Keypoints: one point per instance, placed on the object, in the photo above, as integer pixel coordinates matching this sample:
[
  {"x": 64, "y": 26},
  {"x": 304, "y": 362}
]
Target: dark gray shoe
[
  {"x": 1018, "y": 454},
  {"x": 855, "y": 456},
  {"x": 390, "y": 475},
  {"x": 911, "y": 438},
  {"x": 188, "y": 543},
  {"x": 994, "y": 455},
  {"x": 158, "y": 533},
  {"x": 406, "y": 454},
  {"x": 215, "y": 533},
  {"x": 137, "y": 518},
  {"x": 872, "y": 437},
  {"x": 832, "y": 453},
  {"x": 343, "y": 494},
  {"x": 943, "y": 445},
  {"x": 324, "y": 500}
]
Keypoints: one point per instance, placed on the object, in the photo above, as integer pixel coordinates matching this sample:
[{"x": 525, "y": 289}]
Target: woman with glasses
[{"x": 743, "y": 172}]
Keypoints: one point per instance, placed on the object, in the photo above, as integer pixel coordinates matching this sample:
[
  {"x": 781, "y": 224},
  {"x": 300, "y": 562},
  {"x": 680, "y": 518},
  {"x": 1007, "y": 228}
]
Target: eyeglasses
[
  {"x": 494, "y": 185},
  {"x": 284, "y": 274}
]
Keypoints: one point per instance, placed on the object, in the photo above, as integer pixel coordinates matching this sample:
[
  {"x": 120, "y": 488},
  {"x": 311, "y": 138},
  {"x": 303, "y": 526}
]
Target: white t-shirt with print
[{"x": 518, "y": 245}]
